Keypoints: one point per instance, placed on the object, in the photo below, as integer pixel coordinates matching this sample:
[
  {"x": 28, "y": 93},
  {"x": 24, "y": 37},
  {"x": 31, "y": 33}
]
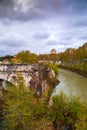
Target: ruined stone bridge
[
  {"x": 8, "y": 72},
  {"x": 37, "y": 76}
]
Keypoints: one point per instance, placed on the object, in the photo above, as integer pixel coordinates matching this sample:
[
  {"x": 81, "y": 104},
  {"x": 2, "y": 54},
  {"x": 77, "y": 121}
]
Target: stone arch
[
  {"x": 12, "y": 77},
  {"x": 9, "y": 72},
  {"x": 5, "y": 83},
  {"x": 8, "y": 77}
]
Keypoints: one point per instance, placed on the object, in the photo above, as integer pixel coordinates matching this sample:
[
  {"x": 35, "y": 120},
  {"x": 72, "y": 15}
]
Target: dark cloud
[
  {"x": 11, "y": 9},
  {"x": 7, "y": 8},
  {"x": 80, "y": 22},
  {"x": 13, "y": 43},
  {"x": 64, "y": 20},
  {"x": 76, "y": 21},
  {"x": 83, "y": 37},
  {"x": 79, "y": 5},
  {"x": 4, "y": 52},
  {"x": 41, "y": 35},
  {"x": 52, "y": 43},
  {"x": 74, "y": 7},
  {"x": 47, "y": 5},
  {"x": 29, "y": 15},
  {"x": 11, "y": 46},
  {"x": 7, "y": 3},
  {"x": 64, "y": 43}
]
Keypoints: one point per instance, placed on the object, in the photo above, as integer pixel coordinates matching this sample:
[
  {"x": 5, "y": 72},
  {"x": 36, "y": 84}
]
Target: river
[{"x": 72, "y": 83}]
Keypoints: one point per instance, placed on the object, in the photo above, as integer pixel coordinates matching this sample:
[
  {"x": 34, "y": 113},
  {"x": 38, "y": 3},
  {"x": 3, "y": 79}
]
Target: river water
[{"x": 72, "y": 83}]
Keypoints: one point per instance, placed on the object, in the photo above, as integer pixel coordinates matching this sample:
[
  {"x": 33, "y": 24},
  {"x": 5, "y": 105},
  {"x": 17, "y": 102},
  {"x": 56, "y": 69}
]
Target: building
[{"x": 53, "y": 51}]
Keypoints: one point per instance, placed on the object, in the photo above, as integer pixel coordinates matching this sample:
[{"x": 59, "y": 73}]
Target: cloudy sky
[{"x": 40, "y": 25}]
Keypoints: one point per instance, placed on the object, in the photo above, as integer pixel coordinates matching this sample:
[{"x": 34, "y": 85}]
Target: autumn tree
[{"x": 26, "y": 57}]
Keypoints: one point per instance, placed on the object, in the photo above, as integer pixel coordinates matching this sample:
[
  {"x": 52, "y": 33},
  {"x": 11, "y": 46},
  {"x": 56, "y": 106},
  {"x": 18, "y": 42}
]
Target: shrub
[
  {"x": 54, "y": 67},
  {"x": 69, "y": 111},
  {"x": 22, "y": 110}
]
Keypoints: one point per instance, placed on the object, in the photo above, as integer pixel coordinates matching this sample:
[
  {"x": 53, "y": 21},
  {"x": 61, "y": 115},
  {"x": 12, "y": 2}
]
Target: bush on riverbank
[
  {"x": 24, "y": 111},
  {"x": 80, "y": 69},
  {"x": 68, "y": 112},
  {"x": 54, "y": 67}
]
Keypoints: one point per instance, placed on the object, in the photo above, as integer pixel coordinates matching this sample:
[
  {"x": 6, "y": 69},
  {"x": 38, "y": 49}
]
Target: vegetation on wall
[
  {"x": 68, "y": 112},
  {"x": 54, "y": 67},
  {"x": 24, "y": 111}
]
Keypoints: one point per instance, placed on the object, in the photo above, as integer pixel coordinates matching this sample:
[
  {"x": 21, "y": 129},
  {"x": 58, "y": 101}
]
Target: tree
[{"x": 26, "y": 57}]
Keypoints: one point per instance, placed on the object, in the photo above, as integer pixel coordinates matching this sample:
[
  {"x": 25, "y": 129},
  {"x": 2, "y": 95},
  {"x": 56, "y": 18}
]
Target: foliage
[
  {"x": 26, "y": 57},
  {"x": 54, "y": 67},
  {"x": 69, "y": 110},
  {"x": 22, "y": 109},
  {"x": 71, "y": 57},
  {"x": 75, "y": 58},
  {"x": 6, "y": 57},
  {"x": 49, "y": 57}
]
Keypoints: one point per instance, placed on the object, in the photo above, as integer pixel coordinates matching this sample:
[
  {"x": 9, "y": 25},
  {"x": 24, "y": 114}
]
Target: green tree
[
  {"x": 54, "y": 67},
  {"x": 26, "y": 57}
]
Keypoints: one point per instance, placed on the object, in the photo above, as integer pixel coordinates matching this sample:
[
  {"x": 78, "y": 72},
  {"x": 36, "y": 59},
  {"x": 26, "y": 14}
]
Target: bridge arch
[
  {"x": 9, "y": 72},
  {"x": 4, "y": 84},
  {"x": 13, "y": 77}
]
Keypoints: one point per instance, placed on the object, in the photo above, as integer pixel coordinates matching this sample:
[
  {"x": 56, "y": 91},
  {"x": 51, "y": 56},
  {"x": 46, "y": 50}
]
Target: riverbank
[
  {"x": 73, "y": 69},
  {"x": 36, "y": 96},
  {"x": 34, "y": 113}
]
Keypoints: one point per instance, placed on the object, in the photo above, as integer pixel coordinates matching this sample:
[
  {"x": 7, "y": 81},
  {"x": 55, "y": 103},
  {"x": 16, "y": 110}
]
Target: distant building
[
  {"x": 5, "y": 61},
  {"x": 53, "y": 51}
]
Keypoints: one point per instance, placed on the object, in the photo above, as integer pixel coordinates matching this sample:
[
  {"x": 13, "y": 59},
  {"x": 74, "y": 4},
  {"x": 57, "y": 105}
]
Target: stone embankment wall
[{"x": 42, "y": 79}]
